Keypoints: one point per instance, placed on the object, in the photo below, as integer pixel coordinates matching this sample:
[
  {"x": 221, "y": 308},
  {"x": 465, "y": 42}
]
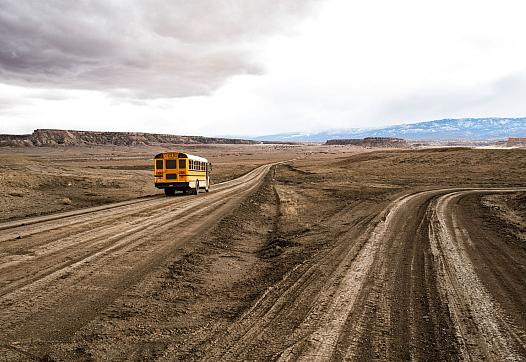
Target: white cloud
[{"x": 256, "y": 69}]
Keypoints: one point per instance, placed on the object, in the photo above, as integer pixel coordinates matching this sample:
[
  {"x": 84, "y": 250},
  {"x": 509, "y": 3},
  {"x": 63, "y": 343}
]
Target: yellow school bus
[{"x": 176, "y": 171}]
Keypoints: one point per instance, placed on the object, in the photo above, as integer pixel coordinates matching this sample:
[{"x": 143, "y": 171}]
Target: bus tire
[
  {"x": 196, "y": 191},
  {"x": 207, "y": 188}
]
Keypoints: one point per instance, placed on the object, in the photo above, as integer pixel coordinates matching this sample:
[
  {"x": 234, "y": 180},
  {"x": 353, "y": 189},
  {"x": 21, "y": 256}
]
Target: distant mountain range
[
  {"x": 466, "y": 129},
  {"x": 444, "y": 129}
]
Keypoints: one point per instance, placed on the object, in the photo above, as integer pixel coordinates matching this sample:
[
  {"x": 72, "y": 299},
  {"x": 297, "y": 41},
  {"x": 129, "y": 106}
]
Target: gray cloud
[
  {"x": 9, "y": 102},
  {"x": 156, "y": 48}
]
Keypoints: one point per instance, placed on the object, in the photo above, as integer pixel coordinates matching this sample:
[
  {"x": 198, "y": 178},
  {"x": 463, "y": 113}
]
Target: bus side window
[{"x": 182, "y": 164}]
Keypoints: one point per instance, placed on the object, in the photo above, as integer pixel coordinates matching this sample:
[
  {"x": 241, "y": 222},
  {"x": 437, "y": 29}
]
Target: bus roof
[
  {"x": 175, "y": 154},
  {"x": 195, "y": 158}
]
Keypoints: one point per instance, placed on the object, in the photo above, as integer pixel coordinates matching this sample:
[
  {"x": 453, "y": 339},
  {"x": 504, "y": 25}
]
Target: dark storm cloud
[{"x": 152, "y": 48}]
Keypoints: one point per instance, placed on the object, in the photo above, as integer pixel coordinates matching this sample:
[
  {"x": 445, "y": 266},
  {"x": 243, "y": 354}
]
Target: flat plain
[{"x": 298, "y": 252}]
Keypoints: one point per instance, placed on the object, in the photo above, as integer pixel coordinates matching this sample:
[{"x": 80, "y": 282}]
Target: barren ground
[
  {"x": 43, "y": 180},
  {"x": 385, "y": 255}
]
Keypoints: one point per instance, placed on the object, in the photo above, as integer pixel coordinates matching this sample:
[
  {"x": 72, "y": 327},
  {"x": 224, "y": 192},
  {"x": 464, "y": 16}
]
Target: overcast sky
[{"x": 255, "y": 67}]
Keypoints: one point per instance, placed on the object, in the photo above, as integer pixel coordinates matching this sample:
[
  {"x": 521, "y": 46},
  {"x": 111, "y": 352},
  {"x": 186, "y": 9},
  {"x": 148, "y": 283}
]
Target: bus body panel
[{"x": 179, "y": 171}]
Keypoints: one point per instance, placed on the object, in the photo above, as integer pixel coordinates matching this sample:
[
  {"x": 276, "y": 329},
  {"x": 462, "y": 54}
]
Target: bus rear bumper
[{"x": 174, "y": 185}]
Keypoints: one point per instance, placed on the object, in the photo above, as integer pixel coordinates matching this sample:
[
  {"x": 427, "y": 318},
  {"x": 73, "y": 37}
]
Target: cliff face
[
  {"x": 516, "y": 142},
  {"x": 54, "y": 137},
  {"x": 381, "y": 142},
  {"x": 16, "y": 140}
]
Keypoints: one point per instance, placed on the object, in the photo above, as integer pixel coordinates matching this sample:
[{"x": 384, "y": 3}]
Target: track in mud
[
  {"x": 402, "y": 286},
  {"x": 58, "y": 272},
  {"x": 418, "y": 280}
]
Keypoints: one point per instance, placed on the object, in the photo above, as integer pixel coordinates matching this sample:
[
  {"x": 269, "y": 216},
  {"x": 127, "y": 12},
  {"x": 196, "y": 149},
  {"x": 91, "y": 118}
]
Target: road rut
[
  {"x": 400, "y": 286},
  {"x": 420, "y": 280},
  {"x": 58, "y": 272}
]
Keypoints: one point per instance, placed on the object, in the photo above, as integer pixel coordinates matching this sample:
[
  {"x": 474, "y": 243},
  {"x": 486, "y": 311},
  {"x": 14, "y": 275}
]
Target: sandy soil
[
  {"x": 387, "y": 255},
  {"x": 43, "y": 180}
]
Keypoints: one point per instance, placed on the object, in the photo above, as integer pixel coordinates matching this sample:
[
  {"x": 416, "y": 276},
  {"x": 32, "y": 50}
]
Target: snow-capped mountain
[{"x": 444, "y": 129}]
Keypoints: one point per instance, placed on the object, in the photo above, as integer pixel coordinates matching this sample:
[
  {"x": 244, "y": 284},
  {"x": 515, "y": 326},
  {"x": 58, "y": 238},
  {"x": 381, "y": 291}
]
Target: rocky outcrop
[
  {"x": 516, "y": 142},
  {"x": 15, "y": 140},
  {"x": 371, "y": 142},
  {"x": 55, "y": 137}
]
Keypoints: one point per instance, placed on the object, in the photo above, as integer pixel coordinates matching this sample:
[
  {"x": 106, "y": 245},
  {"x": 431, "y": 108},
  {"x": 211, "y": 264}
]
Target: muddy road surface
[
  {"x": 57, "y": 272},
  {"x": 388, "y": 256},
  {"x": 416, "y": 282}
]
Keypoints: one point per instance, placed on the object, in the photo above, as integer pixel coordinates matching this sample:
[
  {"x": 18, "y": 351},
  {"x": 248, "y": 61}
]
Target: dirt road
[
  {"x": 416, "y": 282},
  {"x": 58, "y": 272},
  {"x": 292, "y": 264}
]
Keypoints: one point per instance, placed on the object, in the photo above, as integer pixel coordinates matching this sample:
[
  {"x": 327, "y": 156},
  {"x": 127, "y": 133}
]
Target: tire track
[
  {"x": 323, "y": 342},
  {"x": 400, "y": 287},
  {"x": 483, "y": 329},
  {"x": 112, "y": 239},
  {"x": 22, "y": 228},
  {"x": 89, "y": 261}
]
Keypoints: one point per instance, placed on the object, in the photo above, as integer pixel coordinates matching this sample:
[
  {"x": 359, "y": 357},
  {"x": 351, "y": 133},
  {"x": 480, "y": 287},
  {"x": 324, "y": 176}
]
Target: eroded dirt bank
[{"x": 380, "y": 256}]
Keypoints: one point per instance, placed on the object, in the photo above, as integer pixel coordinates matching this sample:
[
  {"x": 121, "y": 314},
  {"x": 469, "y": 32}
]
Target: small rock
[{"x": 66, "y": 201}]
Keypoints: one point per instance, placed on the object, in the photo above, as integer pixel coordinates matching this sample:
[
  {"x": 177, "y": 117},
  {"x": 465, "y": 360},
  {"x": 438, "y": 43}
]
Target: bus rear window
[
  {"x": 159, "y": 164},
  {"x": 182, "y": 163},
  {"x": 171, "y": 164}
]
